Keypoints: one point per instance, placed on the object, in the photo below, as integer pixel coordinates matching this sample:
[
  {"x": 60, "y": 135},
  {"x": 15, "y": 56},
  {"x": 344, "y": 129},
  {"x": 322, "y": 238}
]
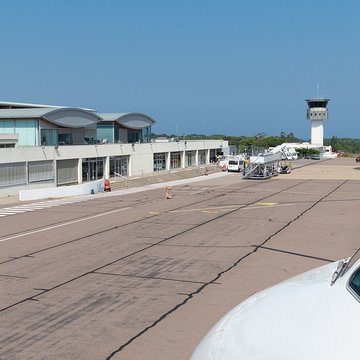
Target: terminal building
[{"x": 51, "y": 145}]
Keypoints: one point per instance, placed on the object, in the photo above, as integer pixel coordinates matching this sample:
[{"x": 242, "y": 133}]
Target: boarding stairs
[{"x": 263, "y": 166}]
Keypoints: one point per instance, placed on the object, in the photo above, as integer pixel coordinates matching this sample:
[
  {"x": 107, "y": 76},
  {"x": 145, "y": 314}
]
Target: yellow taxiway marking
[
  {"x": 288, "y": 191},
  {"x": 205, "y": 209},
  {"x": 215, "y": 209}
]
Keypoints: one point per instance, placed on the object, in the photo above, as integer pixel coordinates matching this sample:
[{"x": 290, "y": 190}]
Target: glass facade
[
  {"x": 175, "y": 160},
  {"x": 92, "y": 169},
  {"x": 190, "y": 158},
  {"x": 49, "y": 136},
  {"x": 159, "y": 161},
  {"x": 146, "y": 135},
  {"x": 142, "y": 135},
  {"x": 119, "y": 166},
  {"x": 105, "y": 133},
  {"x": 65, "y": 139},
  {"x": 202, "y": 157},
  {"x": 27, "y": 130},
  {"x": 116, "y": 134},
  {"x": 30, "y": 134}
]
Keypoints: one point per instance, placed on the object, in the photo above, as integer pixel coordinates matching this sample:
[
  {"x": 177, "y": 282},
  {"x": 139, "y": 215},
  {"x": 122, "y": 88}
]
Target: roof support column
[
  {"x": 208, "y": 156},
  {"x": 130, "y": 165},
  {"x": 55, "y": 171},
  {"x": 80, "y": 179},
  {"x": 168, "y": 156},
  {"x": 107, "y": 167},
  {"x": 183, "y": 157},
  {"x": 27, "y": 173}
]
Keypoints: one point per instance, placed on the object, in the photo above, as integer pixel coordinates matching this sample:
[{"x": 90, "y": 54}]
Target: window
[
  {"x": 105, "y": 132},
  {"x": 133, "y": 136},
  {"x": 12, "y": 174},
  {"x": 190, "y": 158},
  {"x": 67, "y": 171},
  {"x": 7, "y": 145},
  {"x": 119, "y": 166},
  {"x": 202, "y": 157},
  {"x": 49, "y": 137},
  {"x": 355, "y": 282},
  {"x": 65, "y": 139},
  {"x": 41, "y": 171},
  {"x": 175, "y": 160},
  {"x": 159, "y": 161},
  {"x": 146, "y": 135},
  {"x": 92, "y": 169}
]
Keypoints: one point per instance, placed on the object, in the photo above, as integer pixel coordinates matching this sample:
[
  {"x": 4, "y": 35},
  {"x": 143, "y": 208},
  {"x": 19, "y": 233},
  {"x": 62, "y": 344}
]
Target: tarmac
[{"x": 133, "y": 275}]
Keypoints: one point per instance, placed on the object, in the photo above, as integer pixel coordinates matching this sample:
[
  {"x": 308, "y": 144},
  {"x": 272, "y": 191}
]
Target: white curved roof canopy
[
  {"x": 72, "y": 117},
  {"x": 66, "y": 117},
  {"x": 129, "y": 120}
]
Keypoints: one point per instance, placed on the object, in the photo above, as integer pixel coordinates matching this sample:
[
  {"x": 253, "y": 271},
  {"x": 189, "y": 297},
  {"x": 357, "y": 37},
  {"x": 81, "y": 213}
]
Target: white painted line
[
  {"x": 35, "y": 206},
  {"x": 64, "y": 224},
  {"x": 32, "y": 207}
]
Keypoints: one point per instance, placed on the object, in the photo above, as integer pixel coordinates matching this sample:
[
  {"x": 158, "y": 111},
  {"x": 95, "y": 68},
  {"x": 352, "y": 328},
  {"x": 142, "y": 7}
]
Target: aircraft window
[{"x": 355, "y": 282}]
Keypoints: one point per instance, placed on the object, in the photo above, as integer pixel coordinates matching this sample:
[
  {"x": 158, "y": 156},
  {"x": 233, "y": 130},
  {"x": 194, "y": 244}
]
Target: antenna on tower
[{"x": 317, "y": 90}]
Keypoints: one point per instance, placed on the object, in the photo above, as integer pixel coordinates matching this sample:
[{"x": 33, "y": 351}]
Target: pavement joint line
[
  {"x": 203, "y": 246},
  {"x": 293, "y": 253},
  {"x": 14, "y": 276},
  {"x": 23, "y": 256},
  {"x": 62, "y": 224}
]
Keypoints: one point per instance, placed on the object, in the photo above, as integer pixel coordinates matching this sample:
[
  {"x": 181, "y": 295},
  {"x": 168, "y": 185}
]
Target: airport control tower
[{"x": 317, "y": 113}]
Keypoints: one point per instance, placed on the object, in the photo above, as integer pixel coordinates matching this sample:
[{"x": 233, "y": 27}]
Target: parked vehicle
[
  {"x": 285, "y": 168},
  {"x": 235, "y": 165}
]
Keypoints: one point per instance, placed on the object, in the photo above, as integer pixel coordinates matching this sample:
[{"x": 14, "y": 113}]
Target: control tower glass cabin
[{"x": 317, "y": 112}]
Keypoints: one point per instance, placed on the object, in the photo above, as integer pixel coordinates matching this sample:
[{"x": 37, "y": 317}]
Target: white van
[{"x": 235, "y": 165}]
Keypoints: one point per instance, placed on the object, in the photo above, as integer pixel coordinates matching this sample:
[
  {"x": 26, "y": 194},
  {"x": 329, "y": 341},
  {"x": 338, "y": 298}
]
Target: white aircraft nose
[{"x": 208, "y": 347}]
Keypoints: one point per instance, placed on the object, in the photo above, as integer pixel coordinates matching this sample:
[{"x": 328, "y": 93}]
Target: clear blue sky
[{"x": 232, "y": 67}]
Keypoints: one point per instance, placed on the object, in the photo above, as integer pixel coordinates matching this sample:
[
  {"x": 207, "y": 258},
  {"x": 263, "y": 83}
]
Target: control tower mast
[{"x": 317, "y": 113}]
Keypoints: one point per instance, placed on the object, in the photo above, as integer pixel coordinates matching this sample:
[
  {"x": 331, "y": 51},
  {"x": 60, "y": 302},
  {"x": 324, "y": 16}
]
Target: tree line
[{"x": 261, "y": 141}]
